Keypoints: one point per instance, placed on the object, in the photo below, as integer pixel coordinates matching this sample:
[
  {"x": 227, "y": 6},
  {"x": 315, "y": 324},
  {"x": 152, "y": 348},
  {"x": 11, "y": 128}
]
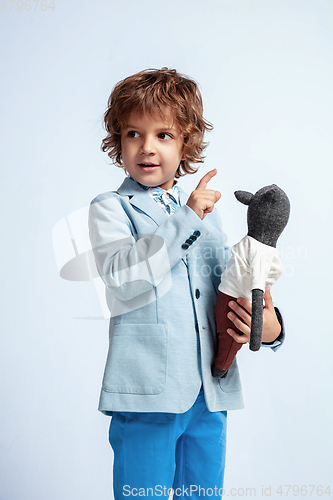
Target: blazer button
[
  {"x": 185, "y": 246},
  {"x": 196, "y": 233},
  {"x": 197, "y": 293}
]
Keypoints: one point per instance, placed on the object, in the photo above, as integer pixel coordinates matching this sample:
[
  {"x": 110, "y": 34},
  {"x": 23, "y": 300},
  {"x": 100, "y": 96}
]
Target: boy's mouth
[{"x": 147, "y": 166}]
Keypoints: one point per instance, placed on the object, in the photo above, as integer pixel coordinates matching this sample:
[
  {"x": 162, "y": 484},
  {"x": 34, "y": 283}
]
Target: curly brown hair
[{"x": 150, "y": 91}]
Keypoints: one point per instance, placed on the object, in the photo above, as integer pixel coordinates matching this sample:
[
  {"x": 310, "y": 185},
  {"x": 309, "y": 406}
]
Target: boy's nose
[{"x": 147, "y": 146}]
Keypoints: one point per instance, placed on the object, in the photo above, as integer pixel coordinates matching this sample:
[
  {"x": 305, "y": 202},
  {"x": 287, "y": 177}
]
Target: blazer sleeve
[
  {"x": 131, "y": 264},
  {"x": 277, "y": 343},
  {"x": 221, "y": 253}
]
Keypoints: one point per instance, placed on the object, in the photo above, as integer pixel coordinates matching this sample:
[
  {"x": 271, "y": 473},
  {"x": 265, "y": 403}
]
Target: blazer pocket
[
  {"x": 231, "y": 383},
  {"x": 137, "y": 359}
]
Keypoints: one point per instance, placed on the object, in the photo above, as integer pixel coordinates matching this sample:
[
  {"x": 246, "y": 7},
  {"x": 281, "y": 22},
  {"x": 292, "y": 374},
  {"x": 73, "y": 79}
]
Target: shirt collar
[{"x": 174, "y": 190}]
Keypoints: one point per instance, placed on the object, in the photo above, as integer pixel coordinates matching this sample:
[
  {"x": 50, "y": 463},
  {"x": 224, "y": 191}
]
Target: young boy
[{"x": 160, "y": 254}]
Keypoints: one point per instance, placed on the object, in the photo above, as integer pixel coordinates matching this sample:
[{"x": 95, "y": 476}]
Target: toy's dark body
[{"x": 267, "y": 216}]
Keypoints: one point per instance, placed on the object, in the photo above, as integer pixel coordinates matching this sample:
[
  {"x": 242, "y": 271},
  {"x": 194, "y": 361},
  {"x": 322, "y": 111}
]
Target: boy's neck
[{"x": 150, "y": 187}]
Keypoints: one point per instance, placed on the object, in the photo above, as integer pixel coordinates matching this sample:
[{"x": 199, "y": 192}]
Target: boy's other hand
[
  {"x": 241, "y": 317},
  {"x": 202, "y": 200}
]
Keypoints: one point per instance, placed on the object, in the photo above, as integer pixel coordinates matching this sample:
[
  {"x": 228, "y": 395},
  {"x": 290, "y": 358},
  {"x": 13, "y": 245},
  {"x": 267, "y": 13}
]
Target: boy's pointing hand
[{"x": 202, "y": 200}]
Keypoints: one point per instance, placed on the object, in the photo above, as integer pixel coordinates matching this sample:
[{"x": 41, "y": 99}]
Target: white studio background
[{"x": 265, "y": 71}]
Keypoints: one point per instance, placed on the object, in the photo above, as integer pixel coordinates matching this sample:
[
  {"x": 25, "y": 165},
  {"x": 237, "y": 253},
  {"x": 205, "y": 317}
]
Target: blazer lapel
[
  {"x": 142, "y": 200},
  {"x": 183, "y": 197},
  {"x": 139, "y": 199}
]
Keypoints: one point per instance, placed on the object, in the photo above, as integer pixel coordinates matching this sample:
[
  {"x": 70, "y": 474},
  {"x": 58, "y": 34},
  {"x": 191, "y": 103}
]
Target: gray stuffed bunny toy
[{"x": 255, "y": 264}]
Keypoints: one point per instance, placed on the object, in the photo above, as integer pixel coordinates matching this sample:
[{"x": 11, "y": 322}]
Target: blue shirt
[{"x": 169, "y": 200}]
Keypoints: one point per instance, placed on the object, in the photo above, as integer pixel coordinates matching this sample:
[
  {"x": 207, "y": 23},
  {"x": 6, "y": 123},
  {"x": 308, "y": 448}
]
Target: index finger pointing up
[{"x": 206, "y": 178}]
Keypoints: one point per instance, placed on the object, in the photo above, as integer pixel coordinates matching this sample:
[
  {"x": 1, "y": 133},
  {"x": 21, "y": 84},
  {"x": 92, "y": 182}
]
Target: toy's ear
[
  {"x": 269, "y": 195},
  {"x": 243, "y": 196}
]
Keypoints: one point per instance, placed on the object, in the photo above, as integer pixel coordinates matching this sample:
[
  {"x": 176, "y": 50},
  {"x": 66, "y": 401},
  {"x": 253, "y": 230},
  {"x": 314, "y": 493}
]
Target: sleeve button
[
  {"x": 197, "y": 293},
  {"x": 196, "y": 233},
  {"x": 185, "y": 246}
]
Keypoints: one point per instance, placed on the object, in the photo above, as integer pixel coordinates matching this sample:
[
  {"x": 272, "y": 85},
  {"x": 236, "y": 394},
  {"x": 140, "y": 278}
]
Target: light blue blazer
[{"x": 161, "y": 274}]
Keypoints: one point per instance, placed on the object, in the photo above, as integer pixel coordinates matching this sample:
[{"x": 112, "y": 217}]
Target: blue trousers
[{"x": 154, "y": 452}]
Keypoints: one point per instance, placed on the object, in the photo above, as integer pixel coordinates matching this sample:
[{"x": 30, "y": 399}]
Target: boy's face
[{"x": 152, "y": 148}]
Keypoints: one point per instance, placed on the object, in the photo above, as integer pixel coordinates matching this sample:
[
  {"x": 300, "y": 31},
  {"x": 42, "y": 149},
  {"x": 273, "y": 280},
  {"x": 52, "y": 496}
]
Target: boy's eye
[
  {"x": 164, "y": 135},
  {"x": 132, "y": 133}
]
